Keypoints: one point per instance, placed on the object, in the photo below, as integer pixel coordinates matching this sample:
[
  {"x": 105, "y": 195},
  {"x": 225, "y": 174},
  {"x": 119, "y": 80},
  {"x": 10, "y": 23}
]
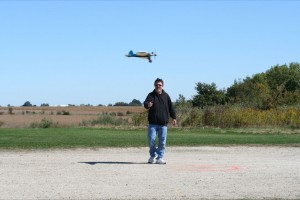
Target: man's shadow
[{"x": 113, "y": 163}]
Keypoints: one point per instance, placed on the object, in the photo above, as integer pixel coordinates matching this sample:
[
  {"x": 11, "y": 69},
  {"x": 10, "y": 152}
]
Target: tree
[
  {"x": 135, "y": 102},
  {"x": 284, "y": 82},
  {"x": 121, "y": 104},
  {"x": 181, "y": 102},
  {"x": 280, "y": 85},
  {"x": 252, "y": 92},
  {"x": 27, "y": 104},
  {"x": 208, "y": 95}
]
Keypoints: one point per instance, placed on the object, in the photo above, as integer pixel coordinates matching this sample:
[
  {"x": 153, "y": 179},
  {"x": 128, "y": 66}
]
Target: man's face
[{"x": 158, "y": 87}]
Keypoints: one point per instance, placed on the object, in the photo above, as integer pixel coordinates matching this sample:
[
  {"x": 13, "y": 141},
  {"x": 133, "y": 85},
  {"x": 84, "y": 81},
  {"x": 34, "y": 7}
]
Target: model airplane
[{"x": 141, "y": 54}]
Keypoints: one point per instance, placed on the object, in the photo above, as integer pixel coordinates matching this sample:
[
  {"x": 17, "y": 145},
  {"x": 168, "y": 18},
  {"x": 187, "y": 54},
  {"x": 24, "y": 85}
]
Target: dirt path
[{"x": 190, "y": 173}]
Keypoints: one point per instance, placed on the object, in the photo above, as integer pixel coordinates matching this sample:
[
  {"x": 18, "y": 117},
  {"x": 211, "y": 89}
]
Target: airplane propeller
[{"x": 154, "y": 54}]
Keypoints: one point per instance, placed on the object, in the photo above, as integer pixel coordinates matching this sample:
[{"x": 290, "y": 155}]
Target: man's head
[{"x": 158, "y": 84}]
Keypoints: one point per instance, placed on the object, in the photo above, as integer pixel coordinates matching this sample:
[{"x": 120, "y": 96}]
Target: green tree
[
  {"x": 284, "y": 82},
  {"x": 251, "y": 92},
  {"x": 182, "y": 104},
  {"x": 135, "y": 102},
  {"x": 183, "y": 110},
  {"x": 181, "y": 101},
  {"x": 27, "y": 104},
  {"x": 208, "y": 95},
  {"x": 280, "y": 85},
  {"x": 121, "y": 104}
]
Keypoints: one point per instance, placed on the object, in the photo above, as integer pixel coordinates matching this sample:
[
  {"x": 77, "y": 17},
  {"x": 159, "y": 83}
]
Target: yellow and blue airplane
[{"x": 141, "y": 54}]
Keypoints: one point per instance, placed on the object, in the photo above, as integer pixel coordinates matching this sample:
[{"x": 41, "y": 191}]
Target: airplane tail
[{"x": 130, "y": 54}]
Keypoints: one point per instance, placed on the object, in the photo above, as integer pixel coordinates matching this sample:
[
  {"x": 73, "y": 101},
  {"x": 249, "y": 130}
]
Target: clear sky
[{"x": 72, "y": 52}]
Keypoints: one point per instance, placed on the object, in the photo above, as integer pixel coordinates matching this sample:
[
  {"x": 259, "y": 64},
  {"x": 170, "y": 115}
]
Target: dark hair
[{"x": 159, "y": 80}]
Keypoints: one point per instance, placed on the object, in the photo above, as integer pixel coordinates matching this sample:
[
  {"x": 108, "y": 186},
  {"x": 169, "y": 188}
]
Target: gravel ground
[{"x": 238, "y": 172}]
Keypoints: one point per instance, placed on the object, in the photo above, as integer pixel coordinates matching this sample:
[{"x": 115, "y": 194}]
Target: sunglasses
[{"x": 158, "y": 85}]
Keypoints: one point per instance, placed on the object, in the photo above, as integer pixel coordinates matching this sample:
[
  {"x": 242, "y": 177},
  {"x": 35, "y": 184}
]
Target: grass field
[
  {"x": 104, "y": 137},
  {"x": 71, "y": 128}
]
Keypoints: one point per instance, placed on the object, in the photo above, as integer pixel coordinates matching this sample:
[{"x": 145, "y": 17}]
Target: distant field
[{"x": 22, "y": 117}]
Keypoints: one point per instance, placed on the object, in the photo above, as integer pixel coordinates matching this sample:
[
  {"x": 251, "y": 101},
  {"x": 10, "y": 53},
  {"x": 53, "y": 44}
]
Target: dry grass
[{"x": 24, "y": 116}]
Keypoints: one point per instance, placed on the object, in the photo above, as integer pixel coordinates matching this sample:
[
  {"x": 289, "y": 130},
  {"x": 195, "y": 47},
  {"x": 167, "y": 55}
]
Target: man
[{"x": 160, "y": 107}]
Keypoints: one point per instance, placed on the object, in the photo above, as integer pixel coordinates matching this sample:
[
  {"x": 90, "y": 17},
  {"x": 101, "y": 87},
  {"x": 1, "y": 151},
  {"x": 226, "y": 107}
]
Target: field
[{"x": 22, "y": 117}]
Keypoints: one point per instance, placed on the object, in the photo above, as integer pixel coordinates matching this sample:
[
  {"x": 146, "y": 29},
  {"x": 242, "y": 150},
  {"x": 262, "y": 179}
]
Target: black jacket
[{"x": 161, "y": 109}]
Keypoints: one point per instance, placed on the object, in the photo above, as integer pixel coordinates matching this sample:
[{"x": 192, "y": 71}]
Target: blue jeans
[{"x": 161, "y": 132}]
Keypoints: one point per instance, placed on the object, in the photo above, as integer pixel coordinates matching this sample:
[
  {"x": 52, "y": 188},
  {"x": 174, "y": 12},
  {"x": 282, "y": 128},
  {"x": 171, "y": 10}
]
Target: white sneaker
[
  {"x": 151, "y": 160},
  {"x": 160, "y": 161}
]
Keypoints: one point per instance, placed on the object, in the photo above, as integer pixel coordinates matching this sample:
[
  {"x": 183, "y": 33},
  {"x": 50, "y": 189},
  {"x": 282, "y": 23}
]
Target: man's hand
[
  {"x": 174, "y": 122},
  {"x": 150, "y": 104}
]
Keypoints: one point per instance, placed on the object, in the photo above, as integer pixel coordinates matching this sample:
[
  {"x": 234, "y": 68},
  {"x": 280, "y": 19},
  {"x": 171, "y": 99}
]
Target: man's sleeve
[{"x": 148, "y": 98}]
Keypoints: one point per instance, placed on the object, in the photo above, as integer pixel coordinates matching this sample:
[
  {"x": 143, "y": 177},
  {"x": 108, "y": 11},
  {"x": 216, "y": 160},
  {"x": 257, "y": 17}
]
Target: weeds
[
  {"x": 140, "y": 119},
  {"x": 105, "y": 120},
  {"x": 241, "y": 117}
]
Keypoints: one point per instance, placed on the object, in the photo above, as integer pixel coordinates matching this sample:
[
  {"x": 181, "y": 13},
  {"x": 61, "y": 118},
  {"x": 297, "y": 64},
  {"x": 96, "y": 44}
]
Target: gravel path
[{"x": 239, "y": 172}]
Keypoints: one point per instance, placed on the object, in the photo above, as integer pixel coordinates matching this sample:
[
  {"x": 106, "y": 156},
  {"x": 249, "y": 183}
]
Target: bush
[
  {"x": 63, "y": 113},
  {"x": 128, "y": 112},
  {"x": 44, "y": 123},
  {"x": 120, "y": 114},
  {"x": 10, "y": 111}
]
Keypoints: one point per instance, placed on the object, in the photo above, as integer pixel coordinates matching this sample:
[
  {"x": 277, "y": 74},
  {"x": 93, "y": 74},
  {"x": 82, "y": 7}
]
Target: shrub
[
  {"x": 120, "y": 114},
  {"x": 113, "y": 114},
  {"x": 65, "y": 112},
  {"x": 44, "y": 123},
  {"x": 128, "y": 112},
  {"x": 10, "y": 111},
  {"x": 85, "y": 123}
]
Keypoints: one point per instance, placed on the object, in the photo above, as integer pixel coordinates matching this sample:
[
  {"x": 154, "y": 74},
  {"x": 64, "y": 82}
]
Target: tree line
[
  {"x": 278, "y": 86},
  {"x": 134, "y": 102}
]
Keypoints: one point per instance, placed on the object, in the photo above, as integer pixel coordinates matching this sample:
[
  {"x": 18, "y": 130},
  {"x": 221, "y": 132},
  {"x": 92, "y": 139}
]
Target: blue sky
[{"x": 72, "y": 52}]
